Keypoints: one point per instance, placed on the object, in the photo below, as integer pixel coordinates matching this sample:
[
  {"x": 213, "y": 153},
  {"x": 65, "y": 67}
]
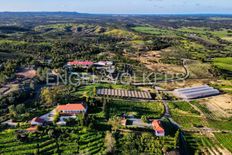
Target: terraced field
[
  {"x": 79, "y": 141},
  {"x": 200, "y": 144},
  {"x": 185, "y": 115},
  {"x": 223, "y": 63}
]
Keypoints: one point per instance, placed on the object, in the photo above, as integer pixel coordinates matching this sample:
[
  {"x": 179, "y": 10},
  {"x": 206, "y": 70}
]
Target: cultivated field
[{"x": 220, "y": 106}]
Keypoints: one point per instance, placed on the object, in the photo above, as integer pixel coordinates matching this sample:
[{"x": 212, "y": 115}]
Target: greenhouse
[{"x": 195, "y": 92}]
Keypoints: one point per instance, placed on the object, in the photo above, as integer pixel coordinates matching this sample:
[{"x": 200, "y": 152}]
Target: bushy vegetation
[{"x": 130, "y": 143}]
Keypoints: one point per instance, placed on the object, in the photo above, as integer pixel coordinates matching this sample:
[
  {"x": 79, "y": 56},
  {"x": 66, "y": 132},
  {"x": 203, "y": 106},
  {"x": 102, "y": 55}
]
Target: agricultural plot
[
  {"x": 225, "y": 140},
  {"x": 200, "y": 144},
  {"x": 223, "y": 63},
  {"x": 223, "y": 85},
  {"x": 185, "y": 115},
  {"x": 153, "y": 30},
  {"x": 137, "y": 109},
  {"x": 217, "y": 106},
  {"x": 78, "y": 141},
  {"x": 221, "y": 122},
  {"x": 183, "y": 106}
]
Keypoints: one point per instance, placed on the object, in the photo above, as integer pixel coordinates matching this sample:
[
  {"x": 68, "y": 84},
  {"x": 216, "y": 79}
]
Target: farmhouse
[
  {"x": 159, "y": 131},
  {"x": 124, "y": 93},
  {"x": 195, "y": 92},
  {"x": 82, "y": 64},
  {"x": 71, "y": 109},
  {"x": 37, "y": 121}
]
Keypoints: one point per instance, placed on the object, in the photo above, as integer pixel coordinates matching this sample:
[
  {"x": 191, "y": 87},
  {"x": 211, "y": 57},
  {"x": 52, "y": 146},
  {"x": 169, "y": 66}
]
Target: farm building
[
  {"x": 82, "y": 64},
  {"x": 124, "y": 93},
  {"x": 71, "y": 109},
  {"x": 159, "y": 131},
  {"x": 195, "y": 92},
  {"x": 103, "y": 63}
]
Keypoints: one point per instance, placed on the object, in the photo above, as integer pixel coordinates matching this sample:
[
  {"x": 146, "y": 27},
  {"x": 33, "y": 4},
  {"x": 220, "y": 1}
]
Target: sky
[{"x": 121, "y": 6}]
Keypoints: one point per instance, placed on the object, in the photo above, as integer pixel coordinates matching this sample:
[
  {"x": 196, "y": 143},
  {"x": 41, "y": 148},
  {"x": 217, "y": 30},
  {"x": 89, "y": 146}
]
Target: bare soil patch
[
  {"x": 220, "y": 106},
  {"x": 27, "y": 73},
  {"x": 151, "y": 60}
]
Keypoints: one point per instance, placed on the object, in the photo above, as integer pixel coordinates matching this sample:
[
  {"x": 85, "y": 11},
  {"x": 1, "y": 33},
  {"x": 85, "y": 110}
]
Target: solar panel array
[
  {"x": 124, "y": 93},
  {"x": 196, "y": 92}
]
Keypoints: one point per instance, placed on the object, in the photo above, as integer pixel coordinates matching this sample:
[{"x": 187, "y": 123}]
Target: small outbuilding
[
  {"x": 159, "y": 131},
  {"x": 37, "y": 121}
]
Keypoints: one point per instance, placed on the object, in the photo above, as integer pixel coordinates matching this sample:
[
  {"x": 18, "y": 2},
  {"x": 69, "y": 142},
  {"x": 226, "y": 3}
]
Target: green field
[
  {"x": 225, "y": 140},
  {"x": 183, "y": 106},
  {"x": 150, "y": 109},
  {"x": 152, "y": 30},
  {"x": 185, "y": 115},
  {"x": 223, "y": 63}
]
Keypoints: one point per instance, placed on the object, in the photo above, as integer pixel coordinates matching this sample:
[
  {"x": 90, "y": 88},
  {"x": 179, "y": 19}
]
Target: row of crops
[
  {"x": 225, "y": 139},
  {"x": 200, "y": 144},
  {"x": 185, "y": 115},
  {"x": 212, "y": 120},
  {"x": 78, "y": 141}
]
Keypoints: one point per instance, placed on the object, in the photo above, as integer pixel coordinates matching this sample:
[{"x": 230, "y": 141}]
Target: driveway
[
  {"x": 139, "y": 123},
  {"x": 49, "y": 116}
]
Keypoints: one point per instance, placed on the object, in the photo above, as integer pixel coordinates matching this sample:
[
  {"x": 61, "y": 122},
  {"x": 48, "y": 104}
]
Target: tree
[
  {"x": 144, "y": 118},
  {"x": 56, "y": 117},
  {"x": 46, "y": 97},
  {"x": 20, "y": 108},
  {"x": 80, "y": 119},
  {"x": 110, "y": 143},
  {"x": 12, "y": 111},
  {"x": 94, "y": 91},
  {"x": 115, "y": 122}
]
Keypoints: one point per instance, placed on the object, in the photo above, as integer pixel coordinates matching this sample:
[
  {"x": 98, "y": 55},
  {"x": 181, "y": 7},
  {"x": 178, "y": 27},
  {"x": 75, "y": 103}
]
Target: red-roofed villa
[{"x": 71, "y": 109}]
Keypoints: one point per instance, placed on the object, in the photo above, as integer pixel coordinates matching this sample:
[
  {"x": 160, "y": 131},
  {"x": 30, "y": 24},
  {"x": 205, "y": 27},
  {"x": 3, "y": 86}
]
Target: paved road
[{"x": 183, "y": 146}]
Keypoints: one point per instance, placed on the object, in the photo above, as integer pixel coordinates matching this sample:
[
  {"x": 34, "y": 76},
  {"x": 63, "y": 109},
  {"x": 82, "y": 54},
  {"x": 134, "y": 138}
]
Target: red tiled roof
[
  {"x": 80, "y": 63},
  {"x": 157, "y": 126},
  {"x": 78, "y": 106},
  {"x": 37, "y": 119},
  {"x": 32, "y": 129}
]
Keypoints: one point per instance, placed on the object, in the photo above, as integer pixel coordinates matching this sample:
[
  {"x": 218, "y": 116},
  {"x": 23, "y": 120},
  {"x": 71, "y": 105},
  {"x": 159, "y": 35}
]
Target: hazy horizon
[{"x": 120, "y": 6}]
